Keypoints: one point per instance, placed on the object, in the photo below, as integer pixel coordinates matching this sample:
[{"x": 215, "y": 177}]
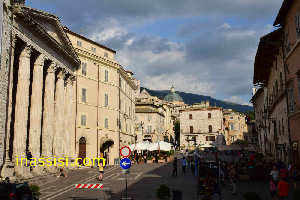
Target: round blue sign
[{"x": 125, "y": 163}]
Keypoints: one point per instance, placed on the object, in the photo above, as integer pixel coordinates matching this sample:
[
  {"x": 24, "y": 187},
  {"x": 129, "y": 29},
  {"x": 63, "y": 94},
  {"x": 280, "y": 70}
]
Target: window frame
[
  {"x": 105, "y": 100},
  {"x": 105, "y": 55},
  {"x": 190, "y": 116},
  {"x": 84, "y": 69},
  {"x": 85, "y": 120},
  {"x": 210, "y": 128},
  {"x": 83, "y": 95},
  {"x": 191, "y": 129},
  {"x": 106, "y": 126},
  {"x": 93, "y": 49},
  {"x": 105, "y": 75},
  {"x": 209, "y": 115},
  {"x": 79, "y": 43}
]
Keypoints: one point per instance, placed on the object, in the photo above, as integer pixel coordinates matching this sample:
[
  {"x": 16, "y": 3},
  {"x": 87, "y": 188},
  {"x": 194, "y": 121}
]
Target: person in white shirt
[{"x": 275, "y": 174}]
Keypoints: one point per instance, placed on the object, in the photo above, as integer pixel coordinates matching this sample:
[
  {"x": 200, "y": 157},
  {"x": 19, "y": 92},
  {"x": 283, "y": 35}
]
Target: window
[
  {"x": 209, "y": 115},
  {"x": 83, "y": 120},
  {"x": 105, "y": 54},
  {"x": 83, "y": 68},
  {"x": 149, "y": 118},
  {"x": 210, "y": 128},
  {"x": 149, "y": 130},
  {"x": 191, "y": 129},
  {"x": 106, "y": 100},
  {"x": 94, "y": 49},
  {"x": 231, "y": 127},
  {"x": 106, "y": 123},
  {"x": 79, "y": 43},
  {"x": 210, "y": 138},
  {"x": 191, "y": 116},
  {"x": 106, "y": 76},
  {"x": 83, "y": 95},
  {"x": 297, "y": 22}
]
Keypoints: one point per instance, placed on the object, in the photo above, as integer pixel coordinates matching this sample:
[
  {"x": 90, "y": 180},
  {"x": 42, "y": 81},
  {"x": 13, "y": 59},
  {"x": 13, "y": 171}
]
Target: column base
[{"x": 8, "y": 170}]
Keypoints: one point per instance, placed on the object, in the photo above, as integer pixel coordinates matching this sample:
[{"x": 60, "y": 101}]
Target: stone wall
[{"x": 4, "y": 68}]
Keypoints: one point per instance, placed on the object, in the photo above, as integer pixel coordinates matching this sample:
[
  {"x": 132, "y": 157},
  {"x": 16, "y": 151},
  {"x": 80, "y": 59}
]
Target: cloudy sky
[{"x": 203, "y": 47}]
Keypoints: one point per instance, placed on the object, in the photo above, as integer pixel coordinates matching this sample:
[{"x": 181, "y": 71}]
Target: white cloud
[{"x": 238, "y": 100}]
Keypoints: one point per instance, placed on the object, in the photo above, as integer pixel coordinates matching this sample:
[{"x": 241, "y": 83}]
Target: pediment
[{"x": 49, "y": 27}]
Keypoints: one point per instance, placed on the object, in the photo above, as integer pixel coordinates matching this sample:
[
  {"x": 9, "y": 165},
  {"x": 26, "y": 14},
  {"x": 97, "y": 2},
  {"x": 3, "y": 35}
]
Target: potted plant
[
  {"x": 35, "y": 189},
  {"x": 163, "y": 192}
]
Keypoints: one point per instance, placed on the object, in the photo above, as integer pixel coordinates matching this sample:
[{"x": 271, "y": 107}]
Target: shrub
[
  {"x": 251, "y": 196},
  {"x": 163, "y": 192}
]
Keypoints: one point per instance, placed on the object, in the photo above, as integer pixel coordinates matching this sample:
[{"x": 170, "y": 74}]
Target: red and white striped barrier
[{"x": 88, "y": 186}]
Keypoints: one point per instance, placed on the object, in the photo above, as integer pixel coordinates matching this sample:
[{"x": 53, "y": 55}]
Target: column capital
[
  {"x": 70, "y": 79},
  {"x": 62, "y": 73},
  {"x": 52, "y": 68},
  {"x": 40, "y": 60},
  {"x": 27, "y": 50}
]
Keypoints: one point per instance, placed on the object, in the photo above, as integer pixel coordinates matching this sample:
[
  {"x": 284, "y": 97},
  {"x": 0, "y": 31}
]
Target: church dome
[{"x": 173, "y": 96}]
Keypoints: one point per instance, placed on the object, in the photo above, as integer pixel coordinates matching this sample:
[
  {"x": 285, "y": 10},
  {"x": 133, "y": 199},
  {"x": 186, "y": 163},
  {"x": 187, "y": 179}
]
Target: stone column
[
  {"x": 69, "y": 119},
  {"x": 59, "y": 142},
  {"x": 36, "y": 107},
  {"x": 6, "y": 171},
  {"x": 21, "y": 109},
  {"x": 48, "y": 113}
]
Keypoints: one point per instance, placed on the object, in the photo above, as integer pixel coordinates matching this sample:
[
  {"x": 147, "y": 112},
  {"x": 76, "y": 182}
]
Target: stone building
[
  {"x": 251, "y": 136},
  {"x": 235, "y": 126},
  {"x": 105, "y": 102},
  {"x": 40, "y": 94},
  {"x": 260, "y": 109},
  {"x": 200, "y": 124},
  {"x": 288, "y": 18},
  {"x": 269, "y": 73},
  {"x": 154, "y": 119}
]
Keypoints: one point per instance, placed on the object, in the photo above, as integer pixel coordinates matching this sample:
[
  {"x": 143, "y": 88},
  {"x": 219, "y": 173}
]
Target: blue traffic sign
[{"x": 125, "y": 163}]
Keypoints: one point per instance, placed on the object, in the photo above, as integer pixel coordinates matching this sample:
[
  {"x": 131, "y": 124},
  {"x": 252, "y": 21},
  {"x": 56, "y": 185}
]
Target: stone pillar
[
  {"x": 21, "y": 109},
  {"x": 36, "y": 107},
  {"x": 6, "y": 170},
  {"x": 59, "y": 142},
  {"x": 48, "y": 113},
  {"x": 69, "y": 120}
]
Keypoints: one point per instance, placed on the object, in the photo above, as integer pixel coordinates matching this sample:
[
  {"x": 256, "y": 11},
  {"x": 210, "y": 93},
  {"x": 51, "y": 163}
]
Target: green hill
[{"x": 190, "y": 98}]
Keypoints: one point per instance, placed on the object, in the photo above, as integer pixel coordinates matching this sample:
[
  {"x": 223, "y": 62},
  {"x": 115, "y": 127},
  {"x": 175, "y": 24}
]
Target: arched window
[
  {"x": 209, "y": 115},
  {"x": 210, "y": 128}
]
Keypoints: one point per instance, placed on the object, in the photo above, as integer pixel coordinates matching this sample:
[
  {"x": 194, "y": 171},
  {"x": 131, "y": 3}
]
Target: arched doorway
[
  {"x": 82, "y": 149},
  {"x": 105, "y": 149}
]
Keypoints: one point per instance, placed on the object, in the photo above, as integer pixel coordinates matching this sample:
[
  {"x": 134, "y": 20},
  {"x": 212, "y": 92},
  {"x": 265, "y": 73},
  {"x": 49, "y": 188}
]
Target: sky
[{"x": 199, "y": 46}]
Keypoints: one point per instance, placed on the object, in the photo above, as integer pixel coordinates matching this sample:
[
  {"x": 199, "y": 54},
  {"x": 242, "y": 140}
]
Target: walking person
[
  {"x": 174, "y": 167},
  {"x": 184, "y": 164},
  {"x": 283, "y": 189},
  {"x": 273, "y": 189},
  {"x": 275, "y": 174},
  {"x": 232, "y": 174},
  {"x": 101, "y": 172}
]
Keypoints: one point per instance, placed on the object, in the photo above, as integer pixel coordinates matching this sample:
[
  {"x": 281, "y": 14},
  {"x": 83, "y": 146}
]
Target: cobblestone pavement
[{"x": 143, "y": 181}]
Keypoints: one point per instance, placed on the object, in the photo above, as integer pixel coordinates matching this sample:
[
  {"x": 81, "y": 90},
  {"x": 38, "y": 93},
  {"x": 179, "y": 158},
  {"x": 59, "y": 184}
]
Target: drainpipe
[{"x": 98, "y": 113}]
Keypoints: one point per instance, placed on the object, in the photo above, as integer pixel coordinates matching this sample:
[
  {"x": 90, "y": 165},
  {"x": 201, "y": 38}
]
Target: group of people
[
  {"x": 188, "y": 162},
  {"x": 280, "y": 179}
]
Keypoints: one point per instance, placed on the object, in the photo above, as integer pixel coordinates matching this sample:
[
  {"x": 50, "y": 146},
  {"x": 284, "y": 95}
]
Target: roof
[
  {"x": 89, "y": 40},
  {"x": 268, "y": 47},
  {"x": 282, "y": 12},
  {"x": 257, "y": 93}
]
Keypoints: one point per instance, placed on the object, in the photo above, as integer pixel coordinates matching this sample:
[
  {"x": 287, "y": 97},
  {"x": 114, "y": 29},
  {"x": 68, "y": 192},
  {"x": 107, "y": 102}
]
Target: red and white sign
[
  {"x": 125, "y": 151},
  {"x": 88, "y": 186}
]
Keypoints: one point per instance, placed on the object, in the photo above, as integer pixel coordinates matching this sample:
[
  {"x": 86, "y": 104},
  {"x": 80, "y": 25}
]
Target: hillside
[{"x": 190, "y": 98}]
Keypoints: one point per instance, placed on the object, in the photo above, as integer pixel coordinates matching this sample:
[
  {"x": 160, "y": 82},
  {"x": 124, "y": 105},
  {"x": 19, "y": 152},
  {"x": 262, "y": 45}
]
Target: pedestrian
[
  {"x": 184, "y": 163},
  {"x": 174, "y": 167},
  {"x": 283, "y": 189},
  {"x": 275, "y": 174},
  {"x": 62, "y": 172},
  {"x": 101, "y": 172},
  {"x": 232, "y": 174},
  {"x": 192, "y": 166},
  {"x": 273, "y": 189}
]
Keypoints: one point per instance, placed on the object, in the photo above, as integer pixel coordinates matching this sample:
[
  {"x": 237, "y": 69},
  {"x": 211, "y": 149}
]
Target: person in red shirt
[{"x": 283, "y": 189}]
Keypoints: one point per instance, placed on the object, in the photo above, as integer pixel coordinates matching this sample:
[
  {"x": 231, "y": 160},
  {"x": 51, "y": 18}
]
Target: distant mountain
[{"x": 190, "y": 98}]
